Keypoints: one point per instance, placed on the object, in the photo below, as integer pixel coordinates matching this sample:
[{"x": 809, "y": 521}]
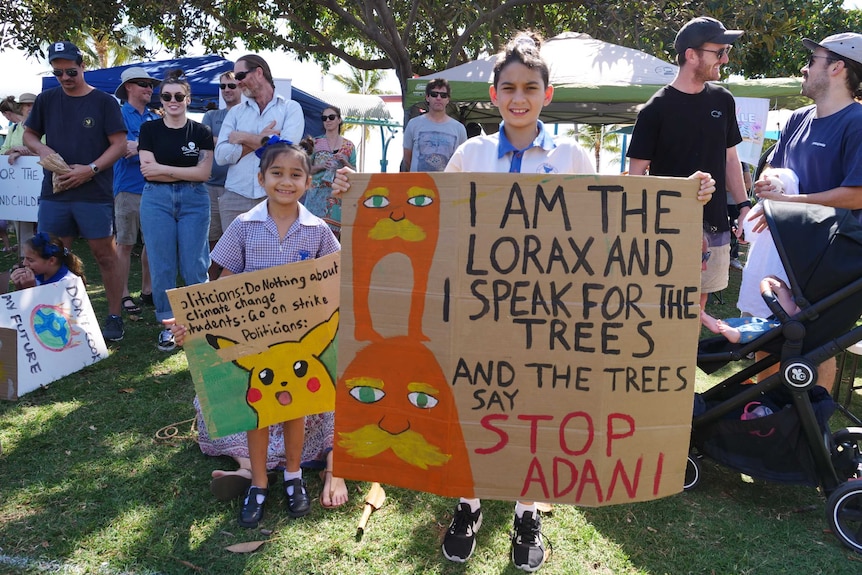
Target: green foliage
[{"x": 423, "y": 36}]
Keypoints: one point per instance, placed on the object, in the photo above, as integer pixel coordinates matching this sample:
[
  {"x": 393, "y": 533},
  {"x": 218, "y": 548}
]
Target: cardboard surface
[
  {"x": 20, "y": 188},
  {"x": 514, "y": 336},
  {"x": 56, "y": 333},
  {"x": 261, "y": 345}
]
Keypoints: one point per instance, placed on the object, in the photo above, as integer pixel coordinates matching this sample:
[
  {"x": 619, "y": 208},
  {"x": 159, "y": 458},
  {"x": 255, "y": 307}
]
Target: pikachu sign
[
  {"x": 261, "y": 345},
  {"x": 515, "y": 336}
]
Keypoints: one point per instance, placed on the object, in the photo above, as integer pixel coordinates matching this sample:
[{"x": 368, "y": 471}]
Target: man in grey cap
[
  {"x": 84, "y": 126},
  {"x": 690, "y": 125},
  {"x": 136, "y": 90},
  {"x": 822, "y": 143}
]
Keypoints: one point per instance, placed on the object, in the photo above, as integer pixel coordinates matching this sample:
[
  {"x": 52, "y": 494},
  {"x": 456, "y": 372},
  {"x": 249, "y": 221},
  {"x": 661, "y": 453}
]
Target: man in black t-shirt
[
  {"x": 84, "y": 126},
  {"x": 691, "y": 125}
]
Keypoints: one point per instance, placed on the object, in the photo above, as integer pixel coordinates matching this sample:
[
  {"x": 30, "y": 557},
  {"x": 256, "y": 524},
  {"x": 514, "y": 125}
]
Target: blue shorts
[{"x": 90, "y": 220}]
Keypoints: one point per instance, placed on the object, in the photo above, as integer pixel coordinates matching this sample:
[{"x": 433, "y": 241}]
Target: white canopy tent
[{"x": 595, "y": 82}]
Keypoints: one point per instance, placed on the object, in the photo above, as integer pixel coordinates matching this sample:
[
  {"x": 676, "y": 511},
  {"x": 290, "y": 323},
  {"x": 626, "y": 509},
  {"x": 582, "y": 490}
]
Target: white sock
[
  {"x": 288, "y": 475},
  {"x": 474, "y": 504},
  {"x": 520, "y": 508}
]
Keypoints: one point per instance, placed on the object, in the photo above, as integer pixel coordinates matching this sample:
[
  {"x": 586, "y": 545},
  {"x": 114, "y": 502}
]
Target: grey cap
[
  {"x": 129, "y": 74},
  {"x": 698, "y": 31},
  {"x": 845, "y": 44},
  {"x": 26, "y": 98}
]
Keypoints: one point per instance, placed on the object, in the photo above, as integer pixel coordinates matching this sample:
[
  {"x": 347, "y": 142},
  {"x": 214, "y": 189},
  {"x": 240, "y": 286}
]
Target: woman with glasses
[
  {"x": 331, "y": 152},
  {"x": 176, "y": 158}
]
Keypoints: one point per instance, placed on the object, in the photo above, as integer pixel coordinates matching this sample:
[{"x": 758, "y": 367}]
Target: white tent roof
[{"x": 595, "y": 82}]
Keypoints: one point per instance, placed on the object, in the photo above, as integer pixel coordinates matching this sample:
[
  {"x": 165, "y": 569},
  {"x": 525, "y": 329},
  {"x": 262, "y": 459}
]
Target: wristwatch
[
  {"x": 95, "y": 168},
  {"x": 745, "y": 204}
]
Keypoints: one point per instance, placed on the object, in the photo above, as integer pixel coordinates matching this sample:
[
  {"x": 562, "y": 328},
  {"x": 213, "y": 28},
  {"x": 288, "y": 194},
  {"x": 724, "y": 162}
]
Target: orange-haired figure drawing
[
  {"x": 401, "y": 215},
  {"x": 396, "y": 402},
  {"x": 288, "y": 377}
]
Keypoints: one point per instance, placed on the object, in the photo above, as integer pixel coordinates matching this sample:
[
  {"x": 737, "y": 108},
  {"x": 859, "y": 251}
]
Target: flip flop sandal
[
  {"x": 131, "y": 308},
  {"x": 231, "y": 486}
]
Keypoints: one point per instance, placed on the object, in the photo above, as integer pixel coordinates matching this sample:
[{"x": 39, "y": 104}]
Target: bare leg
[
  {"x": 294, "y": 438},
  {"x": 124, "y": 262},
  {"x": 258, "y": 443},
  {"x": 106, "y": 256},
  {"x": 708, "y": 321}
]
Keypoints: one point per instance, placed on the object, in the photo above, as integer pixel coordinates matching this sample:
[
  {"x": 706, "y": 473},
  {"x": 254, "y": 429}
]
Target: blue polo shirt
[{"x": 127, "y": 171}]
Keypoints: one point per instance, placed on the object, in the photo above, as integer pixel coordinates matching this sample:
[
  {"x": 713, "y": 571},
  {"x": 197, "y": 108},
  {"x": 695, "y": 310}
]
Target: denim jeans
[{"x": 175, "y": 218}]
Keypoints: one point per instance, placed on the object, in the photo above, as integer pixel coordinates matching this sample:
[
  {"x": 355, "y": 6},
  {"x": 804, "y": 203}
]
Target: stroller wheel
[
  {"x": 693, "y": 471},
  {"x": 846, "y": 450},
  {"x": 844, "y": 510}
]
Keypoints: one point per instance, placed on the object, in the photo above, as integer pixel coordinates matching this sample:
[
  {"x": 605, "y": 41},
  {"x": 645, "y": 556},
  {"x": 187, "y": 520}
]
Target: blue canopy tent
[{"x": 202, "y": 73}]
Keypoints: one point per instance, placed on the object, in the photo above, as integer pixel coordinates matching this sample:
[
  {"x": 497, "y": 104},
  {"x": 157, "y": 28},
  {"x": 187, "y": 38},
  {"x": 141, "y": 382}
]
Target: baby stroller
[{"x": 777, "y": 430}]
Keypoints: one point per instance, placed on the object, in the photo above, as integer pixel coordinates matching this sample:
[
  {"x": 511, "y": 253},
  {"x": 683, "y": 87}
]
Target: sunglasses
[
  {"x": 812, "y": 57},
  {"x": 240, "y": 76},
  {"x": 718, "y": 53},
  {"x": 330, "y": 117},
  {"x": 71, "y": 72},
  {"x": 166, "y": 96},
  {"x": 142, "y": 83},
  {"x": 434, "y": 94},
  {"x": 226, "y": 86}
]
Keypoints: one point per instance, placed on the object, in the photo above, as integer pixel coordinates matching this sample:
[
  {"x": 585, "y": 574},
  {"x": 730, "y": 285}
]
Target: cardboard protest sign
[
  {"x": 515, "y": 336},
  {"x": 55, "y": 333},
  {"x": 261, "y": 345},
  {"x": 20, "y": 188}
]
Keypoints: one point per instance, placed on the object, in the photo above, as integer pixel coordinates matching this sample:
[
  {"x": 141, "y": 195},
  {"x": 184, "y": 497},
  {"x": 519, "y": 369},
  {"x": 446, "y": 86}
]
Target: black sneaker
[
  {"x": 460, "y": 539},
  {"x": 113, "y": 330},
  {"x": 147, "y": 299},
  {"x": 166, "y": 341},
  {"x": 528, "y": 552}
]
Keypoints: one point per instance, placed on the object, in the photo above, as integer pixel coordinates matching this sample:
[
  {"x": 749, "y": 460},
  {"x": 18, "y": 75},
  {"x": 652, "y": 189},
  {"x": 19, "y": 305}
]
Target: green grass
[{"x": 86, "y": 487}]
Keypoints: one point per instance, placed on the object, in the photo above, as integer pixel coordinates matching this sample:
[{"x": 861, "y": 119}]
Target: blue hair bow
[{"x": 270, "y": 142}]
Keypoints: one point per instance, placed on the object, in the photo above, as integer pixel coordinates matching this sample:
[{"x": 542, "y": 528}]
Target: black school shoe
[
  {"x": 251, "y": 512},
  {"x": 298, "y": 504}
]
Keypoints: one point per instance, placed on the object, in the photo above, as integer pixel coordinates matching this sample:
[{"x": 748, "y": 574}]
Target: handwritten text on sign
[
  {"x": 260, "y": 344},
  {"x": 561, "y": 313},
  {"x": 20, "y": 188}
]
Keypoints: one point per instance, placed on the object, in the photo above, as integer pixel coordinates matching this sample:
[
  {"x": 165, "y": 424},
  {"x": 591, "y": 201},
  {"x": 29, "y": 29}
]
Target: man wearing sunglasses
[
  {"x": 136, "y": 91},
  {"x": 822, "y": 143},
  {"x": 690, "y": 125},
  {"x": 231, "y": 95},
  {"x": 431, "y": 139},
  {"x": 262, "y": 113},
  {"x": 85, "y": 127}
]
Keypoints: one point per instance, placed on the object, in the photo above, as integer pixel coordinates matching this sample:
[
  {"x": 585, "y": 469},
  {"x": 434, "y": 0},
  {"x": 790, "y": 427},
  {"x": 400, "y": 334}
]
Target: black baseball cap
[
  {"x": 65, "y": 50},
  {"x": 698, "y": 31}
]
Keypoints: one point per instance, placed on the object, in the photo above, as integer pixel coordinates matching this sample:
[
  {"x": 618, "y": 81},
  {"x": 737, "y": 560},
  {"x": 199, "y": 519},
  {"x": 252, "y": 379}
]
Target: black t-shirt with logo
[{"x": 179, "y": 147}]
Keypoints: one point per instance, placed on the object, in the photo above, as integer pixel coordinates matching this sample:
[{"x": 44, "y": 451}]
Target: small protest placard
[
  {"x": 514, "y": 336},
  {"x": 20, "y": 188},
  {"x": 56, "y": 333},
  {"x": 261, "y": 345}
]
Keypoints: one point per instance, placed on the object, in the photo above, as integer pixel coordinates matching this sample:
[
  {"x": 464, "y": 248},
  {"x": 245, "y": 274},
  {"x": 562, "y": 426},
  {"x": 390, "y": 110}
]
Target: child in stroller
[{"x": 746, "y": 329}]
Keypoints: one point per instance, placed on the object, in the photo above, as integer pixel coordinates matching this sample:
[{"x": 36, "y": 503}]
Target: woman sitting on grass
[{"x": 46, "y": 260}]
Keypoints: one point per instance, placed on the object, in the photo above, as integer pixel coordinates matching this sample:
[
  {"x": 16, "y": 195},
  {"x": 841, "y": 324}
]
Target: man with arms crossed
[{"x": 261, "y": 114}]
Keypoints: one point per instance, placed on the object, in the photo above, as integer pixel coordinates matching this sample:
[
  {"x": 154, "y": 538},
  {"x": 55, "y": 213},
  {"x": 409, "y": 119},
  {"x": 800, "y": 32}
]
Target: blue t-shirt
[
  {"x": 824, "y": 152},
  {"x": 127, "y": 171}
]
